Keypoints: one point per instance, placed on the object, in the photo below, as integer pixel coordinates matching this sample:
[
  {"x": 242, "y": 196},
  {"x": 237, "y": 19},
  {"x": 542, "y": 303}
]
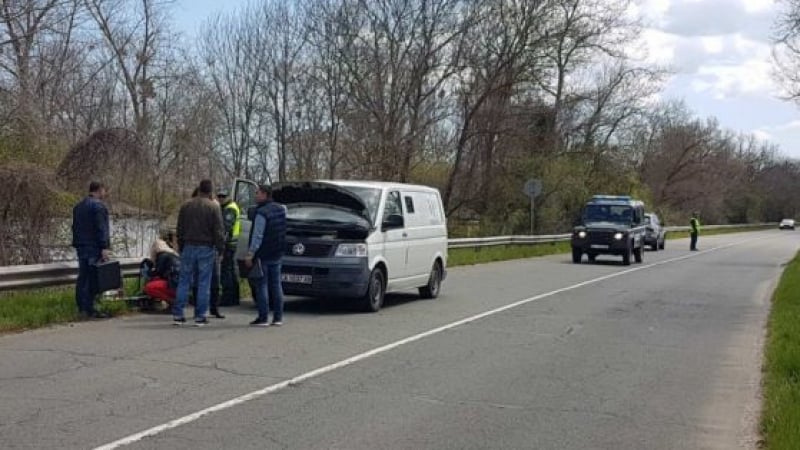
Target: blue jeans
[
  {"x": 200, "y": 260},
  {"x": 85, "y": 290},
  {"x": 269, "y": 291}
]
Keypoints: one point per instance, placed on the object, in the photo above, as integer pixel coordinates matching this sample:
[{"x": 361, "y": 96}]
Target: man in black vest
[{"x": 267, "y": 243}]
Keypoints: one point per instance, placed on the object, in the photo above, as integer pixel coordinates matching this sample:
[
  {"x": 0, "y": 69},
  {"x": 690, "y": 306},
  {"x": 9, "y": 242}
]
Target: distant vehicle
[
  {"x": 786, "y": 224},
  {"x": 656, "y": 235},
  {"x": 610, "y": 225}
]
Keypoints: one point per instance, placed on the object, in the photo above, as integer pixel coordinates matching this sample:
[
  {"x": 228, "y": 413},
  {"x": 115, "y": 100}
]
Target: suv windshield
[{"x": 608, "y": 213}]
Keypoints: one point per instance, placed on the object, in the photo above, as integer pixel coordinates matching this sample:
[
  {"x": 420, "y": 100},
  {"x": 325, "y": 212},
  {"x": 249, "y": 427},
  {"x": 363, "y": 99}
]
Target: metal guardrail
[
  {"x": 42, "y": 275},
  {"x": 543, "y": 239}
]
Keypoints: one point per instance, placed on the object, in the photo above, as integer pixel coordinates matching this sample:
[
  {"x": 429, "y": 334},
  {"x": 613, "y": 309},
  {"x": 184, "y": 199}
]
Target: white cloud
[
  {"x": 762, "y": 135},
  {"x": 726, "y": 81},
  {"x": 713, "y": 44}
]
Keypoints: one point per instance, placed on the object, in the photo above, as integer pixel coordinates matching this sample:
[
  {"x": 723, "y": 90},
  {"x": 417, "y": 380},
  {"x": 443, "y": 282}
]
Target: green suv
[{"x": 610, "y": 225}]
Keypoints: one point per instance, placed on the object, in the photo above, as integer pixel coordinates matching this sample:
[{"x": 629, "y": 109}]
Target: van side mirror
[{"x": 392, "y": 222}]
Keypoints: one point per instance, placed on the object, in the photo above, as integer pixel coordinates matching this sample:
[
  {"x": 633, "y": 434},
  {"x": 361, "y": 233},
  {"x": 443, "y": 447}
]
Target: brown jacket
[{"x": 200, "y": 223}]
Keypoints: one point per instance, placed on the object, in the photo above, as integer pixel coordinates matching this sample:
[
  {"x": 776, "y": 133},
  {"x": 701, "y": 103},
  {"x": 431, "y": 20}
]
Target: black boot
[{"x": 215, "y": 313}]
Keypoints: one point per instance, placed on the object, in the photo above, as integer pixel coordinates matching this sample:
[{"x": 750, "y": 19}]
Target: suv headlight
[
  {"x": 582, "y": 234},
  {"x": 618, "y": 236},
  {"x": 352, "y": 250}
]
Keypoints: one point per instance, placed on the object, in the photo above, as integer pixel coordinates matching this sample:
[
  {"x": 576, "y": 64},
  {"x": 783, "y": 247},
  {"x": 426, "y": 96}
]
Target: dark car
[
  {"x": 610, "y": 225},
  {"x": 655, "y": 234}
]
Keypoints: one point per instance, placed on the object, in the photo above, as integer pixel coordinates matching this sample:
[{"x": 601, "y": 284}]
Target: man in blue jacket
[
  {"x": 90, "y": 237},
  {"x": 267, "y": 244}
]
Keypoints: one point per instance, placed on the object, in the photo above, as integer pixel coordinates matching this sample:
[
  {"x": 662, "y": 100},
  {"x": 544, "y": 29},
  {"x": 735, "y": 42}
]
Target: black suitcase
[{"x": 107, "y": 276}]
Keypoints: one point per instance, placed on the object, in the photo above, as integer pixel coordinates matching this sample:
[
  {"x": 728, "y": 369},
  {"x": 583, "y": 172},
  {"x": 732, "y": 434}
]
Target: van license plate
[
  {"x": 298, "y": 279},
  {"x": 599, "y": 246}
]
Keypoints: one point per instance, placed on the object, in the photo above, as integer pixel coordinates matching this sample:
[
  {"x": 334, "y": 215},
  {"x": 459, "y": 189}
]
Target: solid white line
[{"x": 385, "y": 348}]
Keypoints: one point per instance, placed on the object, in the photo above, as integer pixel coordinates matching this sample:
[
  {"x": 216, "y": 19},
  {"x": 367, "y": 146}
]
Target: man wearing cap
[{"x": 231, "y": 217}]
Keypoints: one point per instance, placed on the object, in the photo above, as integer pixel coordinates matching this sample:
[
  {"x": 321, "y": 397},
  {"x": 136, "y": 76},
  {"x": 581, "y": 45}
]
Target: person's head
[
  {"x": 159, "y": 246},
  {"x": 98, "y": 190},
  {"x": 206, "y": 188},
  {"x": 263, "y": 193},
  {"x": 695, "y": 214},
  {"x": 222, "y": 197}
]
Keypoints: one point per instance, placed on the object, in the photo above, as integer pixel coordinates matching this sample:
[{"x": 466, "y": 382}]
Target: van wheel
[
  {"x": 376, "y": 290},
  {"x": 431, "y": 290},
  {"x": 638, "y": 254}
]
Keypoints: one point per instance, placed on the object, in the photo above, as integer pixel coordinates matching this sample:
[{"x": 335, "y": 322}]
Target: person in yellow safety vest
[
  {"x": 232, "y": 220},
  {"x": 694, "y": 231}
]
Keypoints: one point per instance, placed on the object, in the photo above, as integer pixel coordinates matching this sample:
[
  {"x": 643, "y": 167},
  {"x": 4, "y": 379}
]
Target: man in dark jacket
[
  {"x": 200, "y": 240},
  {"x": 267, "y": 244},
  {"x": 90, "y": 237}
]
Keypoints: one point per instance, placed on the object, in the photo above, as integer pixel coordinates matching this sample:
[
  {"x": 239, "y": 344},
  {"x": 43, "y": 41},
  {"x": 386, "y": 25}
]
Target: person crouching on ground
[{"x": 165, "y": 274}]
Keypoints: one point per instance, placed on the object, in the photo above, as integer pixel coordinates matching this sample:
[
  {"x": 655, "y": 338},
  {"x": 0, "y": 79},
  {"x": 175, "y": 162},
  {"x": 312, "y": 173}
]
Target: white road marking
[{"x": 385, "y": 348}]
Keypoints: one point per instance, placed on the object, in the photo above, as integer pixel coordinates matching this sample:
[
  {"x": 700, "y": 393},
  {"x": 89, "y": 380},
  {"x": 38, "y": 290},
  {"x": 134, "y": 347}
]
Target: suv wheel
[
  {"x": 577, "y": 254},
  {"x": 638, "y": 254},
  {"x": 663, "y": 243},
  {"x": 626, "y": 257}
]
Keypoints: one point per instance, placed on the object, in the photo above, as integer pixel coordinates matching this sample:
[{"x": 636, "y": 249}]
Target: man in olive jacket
[{"x": 200, "y": 240}]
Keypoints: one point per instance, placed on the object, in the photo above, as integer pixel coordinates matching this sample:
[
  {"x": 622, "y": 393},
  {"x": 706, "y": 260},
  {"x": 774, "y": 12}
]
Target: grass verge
[
  {"x": 780, "y": 420},
  {"x": 35, "y": 308},
  {"x": 469, "y": 256}
]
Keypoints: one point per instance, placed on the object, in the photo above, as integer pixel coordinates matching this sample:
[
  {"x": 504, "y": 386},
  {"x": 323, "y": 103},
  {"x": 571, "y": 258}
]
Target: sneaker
[
  {"x": 260, "y": 323},
  {"x": 277, "y": 323},
  {"x": 201, "y": 322},
  {"x": 100, "y": 315},
  {"x": 178, "y": 321}
]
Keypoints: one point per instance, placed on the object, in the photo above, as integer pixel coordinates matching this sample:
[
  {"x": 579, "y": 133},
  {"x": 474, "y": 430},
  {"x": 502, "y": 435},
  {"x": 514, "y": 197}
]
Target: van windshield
[
  {"x": 370, "y": 196},
  {"x": 322, "y": 215},
  {"x": 608, "y": 213}
]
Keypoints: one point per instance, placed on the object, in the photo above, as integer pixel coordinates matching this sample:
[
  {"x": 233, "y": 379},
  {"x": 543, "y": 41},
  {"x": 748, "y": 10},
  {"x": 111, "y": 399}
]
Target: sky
[{"x": 718, "y": 50}]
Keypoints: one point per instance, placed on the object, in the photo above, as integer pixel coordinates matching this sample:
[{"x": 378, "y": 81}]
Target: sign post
[{"x": 532, "y": 189}]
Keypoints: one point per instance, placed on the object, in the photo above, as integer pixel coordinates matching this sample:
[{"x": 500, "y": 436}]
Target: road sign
[{"x": 532, "y": 188}]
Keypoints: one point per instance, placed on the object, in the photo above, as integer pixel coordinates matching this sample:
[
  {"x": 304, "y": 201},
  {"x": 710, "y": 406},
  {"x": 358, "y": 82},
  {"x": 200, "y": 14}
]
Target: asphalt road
[{"x": 534, "y": 354}]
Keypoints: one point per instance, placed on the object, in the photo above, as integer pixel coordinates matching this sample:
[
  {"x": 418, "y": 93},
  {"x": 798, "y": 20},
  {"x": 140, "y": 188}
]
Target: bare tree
[
  {"x": 134, "y": 31},
  {"x": 786, "y": 52}
]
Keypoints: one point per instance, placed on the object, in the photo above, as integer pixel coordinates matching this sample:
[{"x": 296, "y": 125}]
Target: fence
[{"x": 42, "y": 275}]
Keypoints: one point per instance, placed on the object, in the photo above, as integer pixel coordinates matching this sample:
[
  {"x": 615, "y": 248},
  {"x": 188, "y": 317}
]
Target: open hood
[{"x": 319, "y": 193}]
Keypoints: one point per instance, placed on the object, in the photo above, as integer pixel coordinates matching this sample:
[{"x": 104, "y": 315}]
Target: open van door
[{"x": 244, "y": 194}]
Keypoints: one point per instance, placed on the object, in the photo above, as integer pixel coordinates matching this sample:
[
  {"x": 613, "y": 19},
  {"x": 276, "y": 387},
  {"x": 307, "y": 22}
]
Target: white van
[{"x": 357, "y": 239}]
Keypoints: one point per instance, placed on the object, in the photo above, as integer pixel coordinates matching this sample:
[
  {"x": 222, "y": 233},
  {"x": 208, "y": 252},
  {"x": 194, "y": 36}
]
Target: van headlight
[
  {"x": 352, "y": 250},
  {"x": 618, "y": 236}
]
